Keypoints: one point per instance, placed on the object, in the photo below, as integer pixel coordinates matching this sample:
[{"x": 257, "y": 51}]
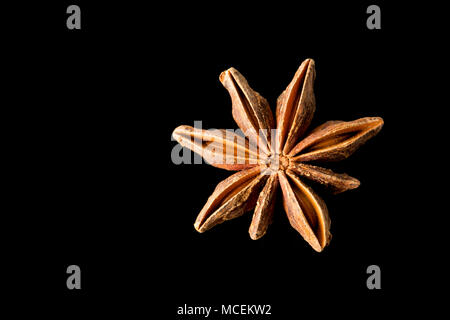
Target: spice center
[{"x": 278, "y": 162}]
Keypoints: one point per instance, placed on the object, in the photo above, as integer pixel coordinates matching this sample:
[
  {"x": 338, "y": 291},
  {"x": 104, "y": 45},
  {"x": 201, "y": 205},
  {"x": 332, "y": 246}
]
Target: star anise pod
[{"x": 265, "y": 161}]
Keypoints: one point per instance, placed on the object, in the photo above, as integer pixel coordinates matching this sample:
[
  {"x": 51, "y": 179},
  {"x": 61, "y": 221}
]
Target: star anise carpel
[{"x": 276, "y": 153}]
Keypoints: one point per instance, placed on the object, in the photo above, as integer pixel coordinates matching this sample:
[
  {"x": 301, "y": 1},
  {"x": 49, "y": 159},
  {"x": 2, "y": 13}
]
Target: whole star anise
[{"x": 268, "y": 158}]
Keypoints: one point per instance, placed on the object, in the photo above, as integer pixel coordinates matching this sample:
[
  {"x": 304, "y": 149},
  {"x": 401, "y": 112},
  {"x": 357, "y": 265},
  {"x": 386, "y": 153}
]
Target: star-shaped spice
[{"x": 269, "y": 158}]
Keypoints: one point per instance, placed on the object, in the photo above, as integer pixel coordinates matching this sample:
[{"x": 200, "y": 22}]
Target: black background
[{"x": 94, "y": 184}]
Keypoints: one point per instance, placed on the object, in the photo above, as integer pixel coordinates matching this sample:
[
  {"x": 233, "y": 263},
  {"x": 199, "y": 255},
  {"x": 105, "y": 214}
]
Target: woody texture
[{"x": 267, "y": 160}]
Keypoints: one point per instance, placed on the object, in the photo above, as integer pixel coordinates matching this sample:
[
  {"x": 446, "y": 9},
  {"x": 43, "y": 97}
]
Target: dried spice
[{"x": 265, "y": 161}]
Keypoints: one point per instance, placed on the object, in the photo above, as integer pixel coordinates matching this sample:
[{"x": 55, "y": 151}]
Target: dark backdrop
[{"x": 95, "y": 111}]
